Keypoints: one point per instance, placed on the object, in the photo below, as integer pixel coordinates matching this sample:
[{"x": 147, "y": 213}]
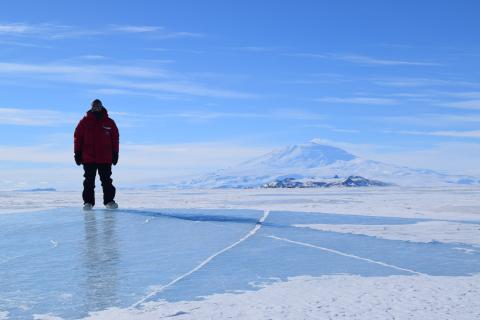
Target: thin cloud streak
[
  {"x": 178, "y": 87},
  {"x": 136, "y": 29},
  {"x": 209, "y": 115},
  {"x": 14, "y": 28},
  {"x": 167, "y": 162},
  {"x": 428, "y": 119},
  {"x": 35, "y": 117},
  {"x": 23, "y": 44},
  {"x": 452, "y": 133},
  {"x": 178, "y": 157},
  {"x": 53, "y": 31},
  {"x": 331, "y": 128},
  {"x": 43, "y": 117},
  {"x": 24, "y": 29},
  {"x": 116, "y": 76},
  {"x": 359, "y": 100},
  {"x": 307, "y": 55},
  {"x": 361, "y": 59},
  {"x": 76, "y": 70},
  {"x": 405, "y": 82},
  {"x": 44, "y": 31},
  {"x": 36, "y": 154},
  {"x": 125, "y": 92},
  {"x": 158, "y": 31},
  {"x": 467, "y": 104},
  {"x": 255, "y": 49}
]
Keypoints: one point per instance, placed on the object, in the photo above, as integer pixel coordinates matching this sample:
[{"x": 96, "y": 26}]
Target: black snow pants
[{"x": 105, "y": 172}]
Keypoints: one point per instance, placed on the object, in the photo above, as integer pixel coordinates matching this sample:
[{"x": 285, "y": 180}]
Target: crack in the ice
[
  {"x": 345, "y": 254},
  {"x": 252, "y": 232}
]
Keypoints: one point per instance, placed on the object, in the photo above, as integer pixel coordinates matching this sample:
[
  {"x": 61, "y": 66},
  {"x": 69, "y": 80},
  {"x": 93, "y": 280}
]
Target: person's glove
[
  {"x": 115, "y": 158},
  {"x": 78, "y": 158}
]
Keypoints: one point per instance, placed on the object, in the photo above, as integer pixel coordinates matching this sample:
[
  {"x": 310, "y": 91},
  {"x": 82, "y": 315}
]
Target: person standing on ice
[{"x": 96, "y": 145}]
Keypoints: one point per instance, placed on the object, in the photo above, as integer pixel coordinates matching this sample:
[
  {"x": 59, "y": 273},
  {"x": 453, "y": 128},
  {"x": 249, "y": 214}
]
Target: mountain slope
[{"x": 317, "y": 162}]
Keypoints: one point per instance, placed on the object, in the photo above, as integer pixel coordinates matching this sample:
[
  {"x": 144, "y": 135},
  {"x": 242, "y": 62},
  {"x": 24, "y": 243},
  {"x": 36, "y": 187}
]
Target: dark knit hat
[{"x": 97, "y": 103}]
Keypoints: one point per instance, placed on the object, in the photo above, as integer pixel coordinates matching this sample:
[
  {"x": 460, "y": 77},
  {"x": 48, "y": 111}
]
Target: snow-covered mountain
[{"x": 316, "y": 162}]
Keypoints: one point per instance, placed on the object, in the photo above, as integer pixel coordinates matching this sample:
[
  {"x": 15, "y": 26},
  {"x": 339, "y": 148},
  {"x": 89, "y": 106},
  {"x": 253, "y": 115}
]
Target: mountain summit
[
  {"x": 309, "y": 155},
  {"x": 315, "y": 163}
]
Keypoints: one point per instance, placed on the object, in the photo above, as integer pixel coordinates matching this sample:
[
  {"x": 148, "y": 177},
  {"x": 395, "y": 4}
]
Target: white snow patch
[
  {"x": 428, "y": 231},
  {"x": 327, "y": 297},
  {"x": 453, "y": 203}
]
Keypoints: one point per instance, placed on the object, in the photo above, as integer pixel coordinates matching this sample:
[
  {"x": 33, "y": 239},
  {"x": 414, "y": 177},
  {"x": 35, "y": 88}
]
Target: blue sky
[{"x": 197, "y": 85}]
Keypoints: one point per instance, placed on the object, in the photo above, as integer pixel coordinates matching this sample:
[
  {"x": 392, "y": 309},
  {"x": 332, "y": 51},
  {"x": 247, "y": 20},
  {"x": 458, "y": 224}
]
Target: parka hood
[{"x": 104, "y": 113}]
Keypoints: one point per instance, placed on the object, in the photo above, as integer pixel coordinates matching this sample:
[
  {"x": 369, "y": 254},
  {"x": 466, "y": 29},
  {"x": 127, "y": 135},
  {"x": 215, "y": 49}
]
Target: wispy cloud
[
  {"x": 137, "y": 29},
  {"x": 467, "y": 94},
  {"x": 346, "y": 130},
  {"x": 43, "y": 117},
  {"x": 14, "y": 28},
  {"x": 412, "y": 95},
  {"x": 10, "y": 43},
  {"x": 180, "y": 34},
  {"x": 35, "y": 117},
  {"x": 81, "y": 70},
  {"x": 362, "y": 59},
  {"x": 256, "y": 48},
  {"x": 432, "y": 120},
  {"x": 183, "y": 87},
  {"x": 37, "y": 154},
  {"x": 452, "y": 157},
  {"x": 396, "y": 45},
  {"x": 24, "y": 166},
  {"x": 31, "y": 29},
  {"x": 54, "y": 31},
  {"x": 406, "y": 82},
  {"x": 44, "y": 31},
  {"x": 308, "y": 55},
  {"x": 92, "y": 57},
  {"x": 175, "y": 50},
  {"x": 366, "y": 60},
  {"x": 120, "y": 77},
  {"x": 196, "y": 156},
  {"x": 158, "y": 31},
  {"x": 467, "y": 104},
  {"x": 359, "y": 100},
  {"x": 126, "y": 92},
  {"x": 323, "y": 78},
  {"x": 206, "y": 115},
  {"x": 458, "y": 118},
  {"x": 446, "y": 133},
  {"x": 331, "y": 128},
  {"x": 167, "y": 155}
]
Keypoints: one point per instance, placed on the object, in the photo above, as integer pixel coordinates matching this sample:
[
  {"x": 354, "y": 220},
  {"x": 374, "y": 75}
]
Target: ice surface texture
[{"x": 68, "y": 263}]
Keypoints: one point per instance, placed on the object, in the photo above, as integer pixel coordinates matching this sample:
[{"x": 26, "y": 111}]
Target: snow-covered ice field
[{"x": 374, "y": 253}]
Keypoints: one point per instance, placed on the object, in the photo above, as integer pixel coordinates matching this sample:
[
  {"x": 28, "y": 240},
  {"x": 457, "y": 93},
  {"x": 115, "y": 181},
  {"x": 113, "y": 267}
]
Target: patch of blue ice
[{"x": 108, "y": 259}]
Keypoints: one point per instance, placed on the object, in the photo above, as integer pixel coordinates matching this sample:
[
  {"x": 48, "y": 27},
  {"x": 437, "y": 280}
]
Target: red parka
[{"x": 96, "y": 139}]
